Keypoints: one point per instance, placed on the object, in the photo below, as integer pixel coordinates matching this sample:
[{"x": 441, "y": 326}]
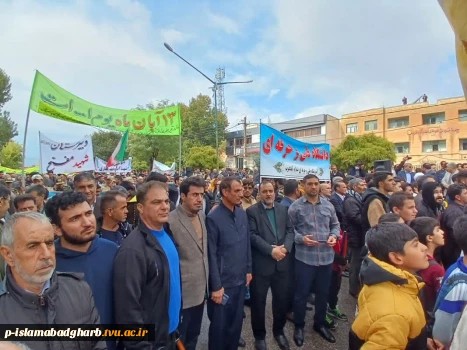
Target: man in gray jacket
[
  {"x": 187, "y": 224},
  {"x": 33, "y": 293}
]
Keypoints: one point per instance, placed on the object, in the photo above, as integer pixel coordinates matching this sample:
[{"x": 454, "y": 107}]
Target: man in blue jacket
[
  {"x": 79, "y": 249},
  {"x": 229, "y": 266}
]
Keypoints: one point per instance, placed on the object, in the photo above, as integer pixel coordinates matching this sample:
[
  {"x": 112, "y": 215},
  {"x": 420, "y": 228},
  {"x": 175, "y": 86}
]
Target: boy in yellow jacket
[{"x": 390, "y": 314}]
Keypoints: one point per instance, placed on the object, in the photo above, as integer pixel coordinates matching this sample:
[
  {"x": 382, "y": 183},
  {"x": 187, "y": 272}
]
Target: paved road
[{"x": 312, "y": 339}]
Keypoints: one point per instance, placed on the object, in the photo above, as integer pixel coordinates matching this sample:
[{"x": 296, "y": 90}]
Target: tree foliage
[
  {"x": 11, "y": 155},
  {"x": 203, "y": 157},
  {"x": 139, "y": 166},
  {"x": 5, "y": 88},
  {"x": 8, "y": 128},
  {"x": 366, "y": 148},
  {"x": 104, "y": 143}
]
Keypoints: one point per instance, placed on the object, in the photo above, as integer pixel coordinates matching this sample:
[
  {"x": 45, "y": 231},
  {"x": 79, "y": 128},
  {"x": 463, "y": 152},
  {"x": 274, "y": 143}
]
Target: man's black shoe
[
  {"x": 282, "y": 341},
  {"x": 260, "y": 344},
  {"x": 298, "y": 337},
  {"x": 309, "y": 306},
  {"x": 353, "y": 295},
  {"x": 325, "y": 333},
  {"x": 241, "y": 343}
]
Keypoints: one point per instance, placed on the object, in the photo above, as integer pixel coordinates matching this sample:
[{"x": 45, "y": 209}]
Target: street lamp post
[{"x": 214, "y": 88}]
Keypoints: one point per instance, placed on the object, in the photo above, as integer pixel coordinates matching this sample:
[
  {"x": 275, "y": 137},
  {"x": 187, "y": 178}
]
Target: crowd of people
[{"x": 147, "y": 248}]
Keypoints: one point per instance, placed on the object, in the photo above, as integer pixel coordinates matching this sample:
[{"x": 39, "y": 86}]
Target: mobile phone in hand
[{"x": 225, "y": 298}]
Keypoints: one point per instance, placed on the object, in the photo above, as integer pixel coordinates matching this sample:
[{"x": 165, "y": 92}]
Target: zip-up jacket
[
  {"x": 68, "y": 300},
  {"x": 142, "y": 286}
]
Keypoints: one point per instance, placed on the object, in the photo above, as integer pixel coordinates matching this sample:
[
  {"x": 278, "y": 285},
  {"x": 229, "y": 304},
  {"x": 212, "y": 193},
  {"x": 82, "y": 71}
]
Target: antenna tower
[{"x": 220, "y": 75}]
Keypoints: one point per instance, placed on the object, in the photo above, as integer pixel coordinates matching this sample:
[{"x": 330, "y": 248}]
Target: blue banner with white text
[{"x": 282, "y": 156}]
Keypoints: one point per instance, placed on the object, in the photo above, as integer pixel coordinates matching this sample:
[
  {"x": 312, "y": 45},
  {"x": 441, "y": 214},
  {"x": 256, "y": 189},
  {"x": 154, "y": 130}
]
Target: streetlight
[{"x": 214, "y": 88}]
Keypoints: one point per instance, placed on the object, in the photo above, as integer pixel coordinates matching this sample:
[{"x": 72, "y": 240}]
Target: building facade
[
  {"x": 429, "y": 133},
  {"x": 322, "y": 128}
]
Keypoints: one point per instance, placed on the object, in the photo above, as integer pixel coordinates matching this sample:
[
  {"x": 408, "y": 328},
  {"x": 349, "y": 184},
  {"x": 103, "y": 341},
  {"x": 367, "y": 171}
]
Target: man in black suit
[
  {"x": 337, "y": 200},
  {"x": 272, "y": 238},
  {"x": 336, "y": 172}
]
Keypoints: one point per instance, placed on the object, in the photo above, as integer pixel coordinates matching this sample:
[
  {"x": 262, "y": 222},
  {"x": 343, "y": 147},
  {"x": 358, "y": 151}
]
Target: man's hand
[
  {"x": 283, "y": 250},
  {"x": 308, "y": 241},
  {"x": 434, "y": 345},
  {"x": 248, "y": 278},
  {"x": 331, "y": 241},
  {"x": 217, "y": 296},
  {"x": 277, "y": 253}
]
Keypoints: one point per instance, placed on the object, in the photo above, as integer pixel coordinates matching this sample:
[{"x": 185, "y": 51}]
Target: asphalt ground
[{"x": 313, "y": 340}]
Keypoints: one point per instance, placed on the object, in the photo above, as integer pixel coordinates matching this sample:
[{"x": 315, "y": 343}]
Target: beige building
[{"x": 427, "y": 132}]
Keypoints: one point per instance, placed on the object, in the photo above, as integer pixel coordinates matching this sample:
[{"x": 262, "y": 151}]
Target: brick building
[{"x": 427, "y": 132}]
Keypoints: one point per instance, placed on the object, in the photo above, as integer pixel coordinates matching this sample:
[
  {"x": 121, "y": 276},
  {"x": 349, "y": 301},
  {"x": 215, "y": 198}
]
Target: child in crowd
[
  {"x": 432, "y": 236},
  {"x": 452, "y": 296},
  {"x": 390, "y": 314}
]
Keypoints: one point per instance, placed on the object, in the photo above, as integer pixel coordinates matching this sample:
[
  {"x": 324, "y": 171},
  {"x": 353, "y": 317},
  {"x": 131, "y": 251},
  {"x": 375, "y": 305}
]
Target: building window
[
  {"x": 304, "y": 132},
  {"x": 371, "y": 125},
  {"x": 403, "y": 147},
  {"x": 463, "y": 144},
  {"x": 231, "y": 142},
  {"x": 398, "y": 122},
  {"x": 352, "y": 128},
  {"x": 463, "y": 115},
  {"x": 435, "y": 118},
  {"x": 434, "y": 146}
]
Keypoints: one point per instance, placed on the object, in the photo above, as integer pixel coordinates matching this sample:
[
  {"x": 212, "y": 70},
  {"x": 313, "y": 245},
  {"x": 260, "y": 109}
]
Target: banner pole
[
  {"x": 180, "y": 155},
  {"x": 23, "y": 175}
]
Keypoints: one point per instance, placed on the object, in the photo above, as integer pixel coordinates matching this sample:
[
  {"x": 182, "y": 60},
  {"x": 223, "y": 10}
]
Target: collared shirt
[
  {"x": 248, "y": 202},
  {"x": 319, "y": 220},
  {"x": 46, "y": 286}
]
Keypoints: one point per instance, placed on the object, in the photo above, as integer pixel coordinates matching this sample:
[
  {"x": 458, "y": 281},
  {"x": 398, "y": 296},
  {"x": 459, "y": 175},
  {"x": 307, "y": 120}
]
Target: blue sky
[{"x": 305, "y": 56}]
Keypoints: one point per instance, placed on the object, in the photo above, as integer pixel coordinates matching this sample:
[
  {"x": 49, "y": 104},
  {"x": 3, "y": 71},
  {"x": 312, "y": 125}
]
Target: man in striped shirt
[{"x": 316, "y": 232}]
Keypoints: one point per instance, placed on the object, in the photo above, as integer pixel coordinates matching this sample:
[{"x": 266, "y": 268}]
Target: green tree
[
  {"x": 366, "y": 148},
  {"x": 11, "y": 155},
  {"x": 8, "y": 128},
  {"x": 139, "y": 166},
  {"x": 203, "y": 157},
  {"x": 104, "y": 143},
  {"x": 199, "y": 123},
  {"x": 5, "y": 88}
]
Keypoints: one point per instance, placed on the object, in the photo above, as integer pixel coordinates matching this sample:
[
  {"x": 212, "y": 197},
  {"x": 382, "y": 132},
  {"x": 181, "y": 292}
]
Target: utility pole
[{"x": 244, "y": 138}]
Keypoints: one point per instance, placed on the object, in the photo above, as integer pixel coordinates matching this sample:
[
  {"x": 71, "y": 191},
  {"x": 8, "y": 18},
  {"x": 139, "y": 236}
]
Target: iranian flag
[{"x": 119, "y": 153}]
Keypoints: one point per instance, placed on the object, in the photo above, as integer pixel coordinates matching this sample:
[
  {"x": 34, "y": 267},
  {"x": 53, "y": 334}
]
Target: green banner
[{"x": 50, "y": 99}]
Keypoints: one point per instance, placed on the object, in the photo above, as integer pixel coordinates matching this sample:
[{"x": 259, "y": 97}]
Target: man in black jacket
[
  {"x": 147, "y": 282},
  {"x": 272, "y": 238},
  {"x": 353, "y": 206},
  {"x": 229, "y": 251},
  {"x": 450, "y": 252},
  {"x": 32, "y": 293}
]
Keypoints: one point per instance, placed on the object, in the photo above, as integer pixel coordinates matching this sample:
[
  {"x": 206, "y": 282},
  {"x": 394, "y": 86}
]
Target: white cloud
[
  {"x": 173, "y": 36},
  {"x": 273, "y": 93},
  {"x": 335, "y": 49},
  {"x": 222, "y": 22}
]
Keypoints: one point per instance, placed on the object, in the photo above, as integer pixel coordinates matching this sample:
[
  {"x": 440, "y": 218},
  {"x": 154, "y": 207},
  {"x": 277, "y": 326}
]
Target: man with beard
[
  {"x": 33, "y": 293},
  {"x": 79, "y": 249},
  {"x": 272, "y": 239},
  {"x": 248, "y": 200},
  {"x": 432, "y": 201}
]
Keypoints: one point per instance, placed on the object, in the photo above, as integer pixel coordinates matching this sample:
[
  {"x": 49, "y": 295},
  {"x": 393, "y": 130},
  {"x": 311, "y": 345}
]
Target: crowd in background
[{"x": 223, "y": 239}]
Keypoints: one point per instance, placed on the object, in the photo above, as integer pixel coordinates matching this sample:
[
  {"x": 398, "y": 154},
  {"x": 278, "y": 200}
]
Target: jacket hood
[
  {"x": 375, "y": 271},
  {"x": 372, "y": 191},
  {"x": 69, "y": 254}
]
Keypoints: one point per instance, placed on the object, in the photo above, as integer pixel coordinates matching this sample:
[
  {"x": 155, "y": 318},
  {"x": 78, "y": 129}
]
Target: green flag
[
  {"x": 118, "y": 154},
  {"x": 50, "y": 99}
]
